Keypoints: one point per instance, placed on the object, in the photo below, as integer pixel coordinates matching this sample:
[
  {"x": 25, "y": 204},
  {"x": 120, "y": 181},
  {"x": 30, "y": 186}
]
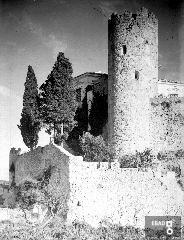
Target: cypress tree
[
  {"x": 29, "y": 122},
  {"x": 58, "y": 99}
]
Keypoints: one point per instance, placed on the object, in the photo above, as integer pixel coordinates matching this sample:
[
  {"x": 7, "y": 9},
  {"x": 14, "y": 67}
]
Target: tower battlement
[{"x": 141, "y": 17}]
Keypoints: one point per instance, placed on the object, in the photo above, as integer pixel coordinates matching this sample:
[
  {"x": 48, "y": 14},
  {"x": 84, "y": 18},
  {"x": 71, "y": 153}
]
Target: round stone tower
[{"x": 132, "y": 79}]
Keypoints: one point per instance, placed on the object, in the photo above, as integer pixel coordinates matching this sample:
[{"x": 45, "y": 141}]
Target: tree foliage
[
  {"x": 81, "y": 116},
  {"x": 47, "y": 192},
  {"x": 140, "y": 160},
  {"x": 58, "y": 103},
  {"x": 26, "y": 195},
  {"x": 29, "y": 122},
  {"x": 98, "y": 114},
  {"x": 95, "y": 149}
]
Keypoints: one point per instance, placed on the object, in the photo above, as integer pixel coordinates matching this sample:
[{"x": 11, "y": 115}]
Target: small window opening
[
  {"x": 78, "y": 95},
  {"x": 136, "y": 75},
  {"x": 12, "y": 168},
  {"x": 89, "y": 88},
  {"x": 124, "y": 49},
  {"x": 134, "y": 15}
]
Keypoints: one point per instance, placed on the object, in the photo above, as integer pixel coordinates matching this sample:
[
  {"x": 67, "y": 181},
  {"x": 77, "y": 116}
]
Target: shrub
[
  {"x": 142, "y": 160},
  {"x": 77, "y": 231},
  {"x": 95, "y": 149},
  {"x": 50, "y": 192},
  {"x": 173, "y": 161},
  {"x": 26, "y": 195}
]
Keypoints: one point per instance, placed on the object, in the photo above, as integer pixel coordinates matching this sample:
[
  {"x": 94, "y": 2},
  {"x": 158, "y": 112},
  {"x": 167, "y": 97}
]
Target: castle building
[
  {"x": 132, "y": 110},
  {"x": 132, "y": 79},
  {"x": 131, "y": 86}
]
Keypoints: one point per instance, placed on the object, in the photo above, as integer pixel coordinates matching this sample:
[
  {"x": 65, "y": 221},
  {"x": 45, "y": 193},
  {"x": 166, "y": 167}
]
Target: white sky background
[
  {"x": 10, "y": 110},
  {"x": 9, "y": 135}
]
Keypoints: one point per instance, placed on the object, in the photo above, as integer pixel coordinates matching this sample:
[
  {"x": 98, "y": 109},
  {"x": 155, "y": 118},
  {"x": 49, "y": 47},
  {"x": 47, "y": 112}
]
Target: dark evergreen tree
[
  {"x": 29, "y": 122},
  {"x": 81, "y": 116},
  {"x": 58, "y": 99},
  {"x": 98, "y": 114}
]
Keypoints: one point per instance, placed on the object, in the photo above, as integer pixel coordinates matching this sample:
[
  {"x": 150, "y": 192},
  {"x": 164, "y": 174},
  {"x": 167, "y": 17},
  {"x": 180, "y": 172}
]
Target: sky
[{"x": 32, "y": 32}]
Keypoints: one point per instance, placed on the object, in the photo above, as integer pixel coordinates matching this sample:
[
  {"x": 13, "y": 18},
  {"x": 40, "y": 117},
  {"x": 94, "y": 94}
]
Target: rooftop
[
  {"x": 91, "y": 74},
  {"x": 166, "y": 81}
]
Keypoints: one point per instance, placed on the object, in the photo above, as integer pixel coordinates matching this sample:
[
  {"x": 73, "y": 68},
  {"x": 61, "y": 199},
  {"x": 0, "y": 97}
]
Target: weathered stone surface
[
  {"x": 122, "y": 196},
  {"x": 31, "y": 165},
  {"x": 133, "y": 76},
  {"x": 118, "y": 195}
]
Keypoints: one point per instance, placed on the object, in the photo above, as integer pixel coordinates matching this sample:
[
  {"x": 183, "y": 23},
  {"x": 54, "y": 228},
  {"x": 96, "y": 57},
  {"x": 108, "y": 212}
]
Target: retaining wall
[{"x": 122, "y": 196}]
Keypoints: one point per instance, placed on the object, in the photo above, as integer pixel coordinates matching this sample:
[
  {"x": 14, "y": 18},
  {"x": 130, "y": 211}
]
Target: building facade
[{"x": 130, "y": 86}]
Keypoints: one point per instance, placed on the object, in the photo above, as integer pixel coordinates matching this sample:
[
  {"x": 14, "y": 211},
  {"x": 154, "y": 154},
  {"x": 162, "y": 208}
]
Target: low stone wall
[
  {"x": 118, "y": 195},
  {"x": 122, "y": 196}
]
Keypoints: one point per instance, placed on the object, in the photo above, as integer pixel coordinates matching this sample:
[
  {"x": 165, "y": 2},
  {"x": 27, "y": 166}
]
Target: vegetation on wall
[
  {"x": 173, "y": 161},
  {"x": 141, "y": 160},
  {"x": 43, "y": 192},
  {"x": 26, "y": 195},
  {"x": 95, "y": 149},
  {"x": 166, "y": 160},
  {"x": 29, "y": 122},
  {"x": 58, "y": 100},
  {"x": 10, "y": 199}
]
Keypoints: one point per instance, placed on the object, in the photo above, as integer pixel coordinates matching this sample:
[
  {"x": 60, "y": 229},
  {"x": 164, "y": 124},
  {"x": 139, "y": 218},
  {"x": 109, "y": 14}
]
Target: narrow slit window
[
  {"x": 134, "y": 16},
  {"x": 136, "y": 75},
  {"x": 124, "y": 49},
  {"x": 78, "y": 95}
]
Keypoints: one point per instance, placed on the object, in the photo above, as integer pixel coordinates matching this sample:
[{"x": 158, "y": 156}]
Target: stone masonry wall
[
  {"x": 133, "y": 76},
  {"x": 118, "y": 195},
  {"x": 31, "y": 165},
  {"x": 122, "y": 196},
  {"x": 168, "y": 124}
]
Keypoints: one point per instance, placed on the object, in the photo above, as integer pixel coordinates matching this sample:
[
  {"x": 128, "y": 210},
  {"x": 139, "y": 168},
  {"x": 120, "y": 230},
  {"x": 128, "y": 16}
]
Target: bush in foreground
[{"x": 77, "y": 231}]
